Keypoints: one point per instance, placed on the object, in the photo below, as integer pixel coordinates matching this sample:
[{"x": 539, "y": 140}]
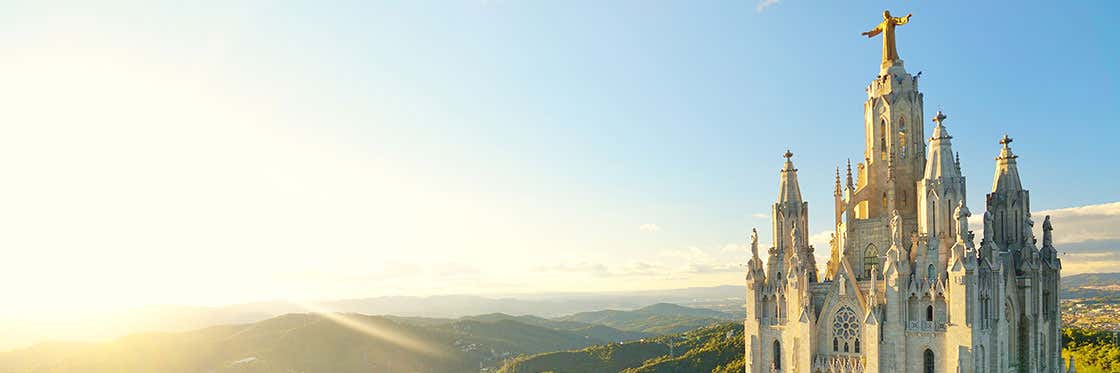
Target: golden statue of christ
[{"x": 886, "y": 27}]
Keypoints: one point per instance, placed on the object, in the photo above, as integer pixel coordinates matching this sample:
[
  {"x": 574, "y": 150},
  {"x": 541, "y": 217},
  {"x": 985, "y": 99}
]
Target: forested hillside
[
  {"x": 361, "y": 343},
  {"x": 715, "y": 348},
  {"x": 661, "y": 318},
  {"x": 316, "y": 343}
]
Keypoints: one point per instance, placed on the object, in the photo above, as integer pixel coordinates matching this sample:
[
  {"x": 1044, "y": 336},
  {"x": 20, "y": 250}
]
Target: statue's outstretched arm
[
  {"x": 873, "y": 32},
  {"x": 902, "y": 20}
]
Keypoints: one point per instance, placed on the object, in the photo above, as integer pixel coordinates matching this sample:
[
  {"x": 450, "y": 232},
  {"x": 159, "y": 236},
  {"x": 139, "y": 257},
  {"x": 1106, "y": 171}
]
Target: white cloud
[
  {"x": 820, "y": 241},
  {"x": 1081, "y": 224},
  {"x": 649, "y": 227},
  {"x": 735, "y": 248},
  {"x": 597, "y": 269},
  {"x": 1087, "y": 237},
  {"x": 760, "y": 215},
  {"x": 763, "y": 4}
]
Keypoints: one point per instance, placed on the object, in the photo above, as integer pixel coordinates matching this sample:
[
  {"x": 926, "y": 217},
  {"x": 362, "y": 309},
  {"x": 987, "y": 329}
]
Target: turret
[
  {"x": 1009, "y": 205},
  {"x": 756, "y": 281},
  {"x": 941, "y": 191},
  {"x": 788, "y": 212}
]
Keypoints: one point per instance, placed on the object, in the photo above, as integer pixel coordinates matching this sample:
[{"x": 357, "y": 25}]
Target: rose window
[{"x": 845, "y": 326}]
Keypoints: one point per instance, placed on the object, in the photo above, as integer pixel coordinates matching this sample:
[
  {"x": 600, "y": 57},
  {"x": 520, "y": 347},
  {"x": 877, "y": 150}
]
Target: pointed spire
[
  {"x": 939, "y": 131},
  {"x": 850, "y": 184},
  {"x": 838, "y": 191},
  {"x": 789, "y": 191},
  {"x": 1007, "y": 169},
  {"x": 940, "y": 162}
]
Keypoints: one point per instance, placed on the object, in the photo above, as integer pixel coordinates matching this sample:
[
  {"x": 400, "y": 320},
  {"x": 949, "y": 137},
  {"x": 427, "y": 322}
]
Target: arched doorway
[{"x": 927, "y": 361}]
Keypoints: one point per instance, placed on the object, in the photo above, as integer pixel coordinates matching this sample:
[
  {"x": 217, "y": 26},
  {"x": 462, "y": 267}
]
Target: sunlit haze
[{"x": 227, "y": 153}]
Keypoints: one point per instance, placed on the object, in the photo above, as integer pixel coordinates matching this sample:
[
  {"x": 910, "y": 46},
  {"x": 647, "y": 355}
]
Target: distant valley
[
  {"x": 361, "y": 343},
  {"x": 612, "y": 332},
  {"x": 16, "y": 333}
]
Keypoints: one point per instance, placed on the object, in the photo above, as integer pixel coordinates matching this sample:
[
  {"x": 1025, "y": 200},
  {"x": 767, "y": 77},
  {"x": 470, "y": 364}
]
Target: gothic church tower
[{"x": 906, "y": 288}]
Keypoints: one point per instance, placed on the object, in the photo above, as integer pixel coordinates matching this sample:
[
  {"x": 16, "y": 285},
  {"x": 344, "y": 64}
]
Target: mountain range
[
  {"x": 347, "y": 342},
  {"x": 15, "y": 332}
]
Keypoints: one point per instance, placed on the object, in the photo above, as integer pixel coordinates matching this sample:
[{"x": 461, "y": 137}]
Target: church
[{"x": 907, "y": 288}]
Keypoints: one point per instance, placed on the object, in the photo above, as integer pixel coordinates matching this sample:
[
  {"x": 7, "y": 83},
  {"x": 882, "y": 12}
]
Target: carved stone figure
[
  {"x": 795, "y": 237},
  {"x": 896, "y": 229},
  {"x": 1028, "y": 230},
  {"x": 1047, "y": 236},
  {"x": 988, "y": 227},
  {"x": 961, "y": 215},
  {"x": 754, "y": 242}
]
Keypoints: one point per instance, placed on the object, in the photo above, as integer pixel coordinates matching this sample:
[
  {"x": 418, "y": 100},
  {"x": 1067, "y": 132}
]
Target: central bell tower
[{"x": 894, "y": 161}]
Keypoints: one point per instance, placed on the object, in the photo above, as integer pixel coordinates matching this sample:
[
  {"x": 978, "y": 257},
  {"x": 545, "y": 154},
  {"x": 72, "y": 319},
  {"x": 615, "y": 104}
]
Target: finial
[
  {"x": 849, "y": 179},
  {"x": 838, "y": 190},
  {"x": 939, "y": 117},
  {"x": 788, "y": 154},
  {"x": 1006, "y": 141}
]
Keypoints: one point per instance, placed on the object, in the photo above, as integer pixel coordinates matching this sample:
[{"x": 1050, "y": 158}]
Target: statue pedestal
[{"x": 892, "y": 67}]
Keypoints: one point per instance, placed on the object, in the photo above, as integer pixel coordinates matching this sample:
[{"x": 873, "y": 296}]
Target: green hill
[
  {"x": 661, "y": 318},
  {"x": 360, "y": 343},
  {"x": 1091, "y": 285},
  {"x": 310, "y": 343},
  {"x": 715, "y": 348}
]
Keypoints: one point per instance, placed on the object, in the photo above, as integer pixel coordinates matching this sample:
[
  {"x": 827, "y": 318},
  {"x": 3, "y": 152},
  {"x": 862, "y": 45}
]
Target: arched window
[
  {"x": 902, "y": 137},
  {"x": 857, "y": 345},
  {"x": 949, "y": 216},
  {"x": 932, "y": 215},
  {"x": 777, "y": 355},
  {"x": 883, "y": 139},
  {"x": 929, "y": 313},
  {"x": 928, "y": 361},
  {"x": 884, "y": 201},
  {"x": 870, "y": 259},
  {"x": 1017, "y": 228},
  {"x": 1003, "y": 225},
  {"x": 930, "y": 272},
  {"x": 845, "y": 329},
  {"x": 1046, "y": 306}
]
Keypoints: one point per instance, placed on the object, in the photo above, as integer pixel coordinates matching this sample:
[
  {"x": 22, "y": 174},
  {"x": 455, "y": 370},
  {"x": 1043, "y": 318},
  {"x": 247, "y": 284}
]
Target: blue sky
[{"x": 367, "y": 148}]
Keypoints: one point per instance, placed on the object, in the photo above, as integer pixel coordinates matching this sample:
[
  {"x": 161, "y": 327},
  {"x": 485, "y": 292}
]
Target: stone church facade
[{"x": 907, "y": 288}]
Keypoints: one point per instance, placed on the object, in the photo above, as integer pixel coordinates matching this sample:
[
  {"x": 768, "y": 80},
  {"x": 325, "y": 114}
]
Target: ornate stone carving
[
  {"x": 754, "y": 242},
  {"x": 961, "y": 219},
  {"x": 1047, "y": 235},
  {"x": 896, "y": 229}
]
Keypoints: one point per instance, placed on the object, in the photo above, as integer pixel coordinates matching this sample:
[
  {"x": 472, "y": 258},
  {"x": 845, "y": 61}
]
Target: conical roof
[
  {"x": 789, "y": 190},
  {"x": 940, "y": 162},
  {"x": 1007, "y": 171}
]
